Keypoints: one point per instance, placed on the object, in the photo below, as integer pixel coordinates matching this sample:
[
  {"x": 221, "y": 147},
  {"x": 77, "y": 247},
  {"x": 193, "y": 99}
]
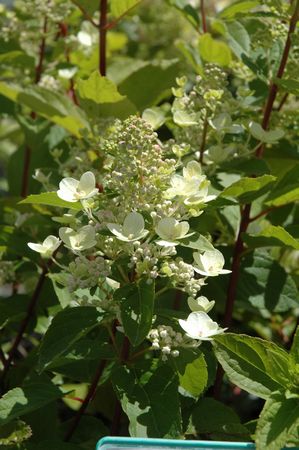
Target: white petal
[
  {"x": 133, "y": 224},
  {"x": 36, "y": 247},
  {"x": 193, "y": 169},
  {"x": 87, "y": 183},
  {"x": 67, "y": 189},
  {"x": 51, "y": 242},
  {"x": 165, "y": 228}
]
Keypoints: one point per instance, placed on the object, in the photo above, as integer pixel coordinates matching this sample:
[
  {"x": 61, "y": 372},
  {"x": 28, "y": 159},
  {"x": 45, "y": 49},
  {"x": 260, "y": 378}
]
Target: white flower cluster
[
  {"x": 169, "y": 341},
  {"x": 136, "y": 223}
]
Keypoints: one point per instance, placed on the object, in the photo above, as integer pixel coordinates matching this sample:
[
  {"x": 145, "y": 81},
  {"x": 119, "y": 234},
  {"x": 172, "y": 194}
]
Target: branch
[
  {"x": 245, "y": 217},
  {"x": 85, "y": 14},
  {"x": 102, "y": 37},
  {"x": 203, "y": 17},
  {"x": 274, "y": 87},
  {"x": 25, "y": 322},
  {"x": 88, "y": 398}
]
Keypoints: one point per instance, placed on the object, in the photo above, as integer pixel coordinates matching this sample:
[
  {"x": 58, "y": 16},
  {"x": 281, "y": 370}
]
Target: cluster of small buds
[
  {"x": 9, "y": 24},
  {"x": 50, "y": 83},
  {"x": 106, "y": 304},
  {"x": 56, "y": 11},
  {"x": 182, "y": 276},
  {"x": 7, "y": 272},
  {"x": 169, "y": 341},
  {"x": 145, "y": 259},
  {"x": 138, "y": 171},
  {"x": 86, "y": 273}
]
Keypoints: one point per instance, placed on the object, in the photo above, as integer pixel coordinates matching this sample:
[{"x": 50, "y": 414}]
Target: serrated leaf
[
  {"x": 288, "y": 84},
  {"x": 51, "y": 199},
  {"x": 137, "y": 305},
  {"x": 49, "y": 104},
  {"x": 152, "y": 407},
  {"x": 271, "y": 236},
  {"x": 238, "y": 38},
  {"x": 91, "y": 6},
  {"x": 238, "y": 7},
  {"x": 195, "y": 378},
  {"x": 214, "y": 51},
  {"x": 286, "y": 190},
  {"x": 212, "y": 417},
  {"x": 99, "y": 97},
  {"x": 19, "y": 401},
  {"x": 278, "y": 423},
  {"x": 67, "y": 327},
  {"x": 158, "y": 77},
  {"x": 248, "y": 189},
  {"x": 14, "y": 433},
  {"x": 295, "y": 347},
  {"x": 255, "y": 365},
  {"x": 119, "y": 8},
  {"x": 188, "y": 11}
]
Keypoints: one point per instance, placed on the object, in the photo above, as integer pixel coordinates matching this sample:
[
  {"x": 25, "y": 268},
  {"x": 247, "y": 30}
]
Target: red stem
[
  {"x": 203, "y": 16},
  {"x": 102, "y": 37},
  {"x": 88, "y": 398},
  {"x": 25, "y": 322},
  {"x": 245, "y": 218},
  {"x": 274, "y": 87}
]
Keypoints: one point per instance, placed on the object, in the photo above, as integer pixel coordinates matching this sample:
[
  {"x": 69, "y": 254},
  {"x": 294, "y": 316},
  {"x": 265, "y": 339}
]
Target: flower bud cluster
[
  {"x": 7, "y": 272},
  {"x": 86, "y": 273},
  {"x": 169, "y": 341},
  {"x": 182, "y": 276},
  {"x": 138, "y": 171}
]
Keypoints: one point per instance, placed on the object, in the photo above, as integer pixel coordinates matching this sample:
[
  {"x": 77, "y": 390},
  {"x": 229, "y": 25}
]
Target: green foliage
[
  {"x": 255, "y": 365},
  {"x": 149, "y": 168},
  {"x": 152, "y": 406},
  {"x": 137, "y": 305}
]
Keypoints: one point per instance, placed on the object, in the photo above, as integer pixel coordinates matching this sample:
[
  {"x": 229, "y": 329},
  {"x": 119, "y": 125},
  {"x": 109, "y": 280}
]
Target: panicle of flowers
[{"x": 86, "y": 273}]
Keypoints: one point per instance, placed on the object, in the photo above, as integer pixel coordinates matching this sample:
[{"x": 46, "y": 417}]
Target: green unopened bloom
[
  {"x": 78, "y": 240},
  {"x": 200, "y": 326},
  {"x": 72, "y": 190},
  {"x": 200, "y": 304},
  {"x": 47, "y": 248},
  {"x": 170, "y": 230},
  {"x": 210, "y": 263},
  {"x": 131, "y": 230}
]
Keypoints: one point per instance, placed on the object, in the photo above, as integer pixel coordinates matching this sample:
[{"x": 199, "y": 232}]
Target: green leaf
[
  {"x": 158, "y": 77},
  {"x": 238, "y": 38},
  {"x": 286, "y": 190},
  {"x": 91, "y": 6},
  {"x": 99, "y": 97},
  {"x": 152, "y": 407},
  {"x": 212, "y": 417},
  {"x": 278, "y": 423},
  {"x": 265, "y": 285},
  {"x": 288, "y": 84},
  {"x": 119, "y": 8},
  {"x": 255, "y": 365},
  {"x": 248, "y": 189},
  {"x": 51, "y": 199},
  {"x": 188, "y": 11},
  {"x": 295, "y": 347},
  {"x": 238, "y": 7},
  {"x": 59, "y": 337},
  {"x": 19, "y": 401},
  {"x": 271, "y": 236},
  {"x": 17, "y": 58},
  {"x": 268, "y": 137},
  {"x": 49, "y": 104},
  {"x": 195, "y": 378},
  {"x": 14, "y": 433},
  {"x": 137, "y": 305},
  {"x": 214, "y": 51}
]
